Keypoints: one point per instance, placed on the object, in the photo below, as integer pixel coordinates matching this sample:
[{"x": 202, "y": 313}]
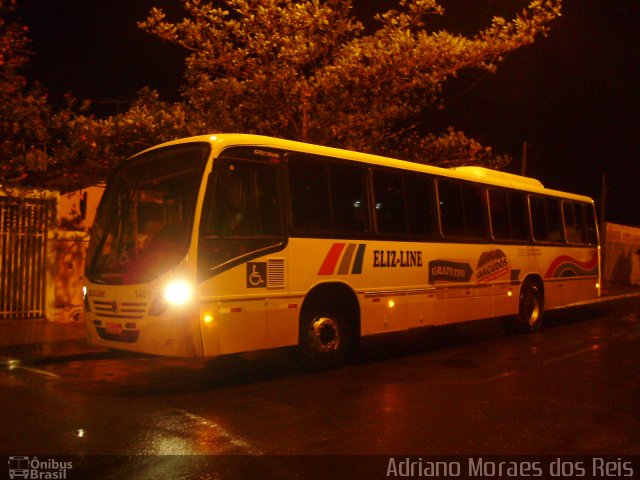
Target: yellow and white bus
[{"x": 229, "y": 243}]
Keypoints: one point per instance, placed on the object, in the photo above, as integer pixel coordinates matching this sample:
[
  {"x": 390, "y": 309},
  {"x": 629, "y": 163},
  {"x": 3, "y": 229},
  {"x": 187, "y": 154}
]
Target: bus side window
[
  {"x": 241, "y": 212},
  {"x": 390, "y": 207},
  {"x": 462, "y": 209},
  {"x": 589, "y": 214},
  {"x": 349, "y": 198},
  {"x": 574, "y": 228},
  {"x": 579, "y": 223},
  {"x": 421, "y": 211},
  {"x": 546, "y": 219},
  {"x": 499, "y": 209},
  {"x": 327, "y": 196},
  {"x": 246, "y": 201},
  {"x": 309, "y": 188},
  {"x": 509, "y": 217}
]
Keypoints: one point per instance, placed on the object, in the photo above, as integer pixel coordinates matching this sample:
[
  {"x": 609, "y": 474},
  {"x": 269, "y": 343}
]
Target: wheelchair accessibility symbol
[{"x": 256, "y": 274}]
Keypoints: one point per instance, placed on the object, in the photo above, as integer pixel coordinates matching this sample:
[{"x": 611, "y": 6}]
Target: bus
[{"x": 231, "y": 243}]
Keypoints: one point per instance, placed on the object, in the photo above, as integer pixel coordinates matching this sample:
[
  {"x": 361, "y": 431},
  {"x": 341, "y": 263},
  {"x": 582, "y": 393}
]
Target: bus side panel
[
  {"x": 282, "y": 321},
  {"x": 475, "y": 282},
  {"x": 404, "y": 285},
  {"x": 570, "y": 275},
  {"x": 249, "y": 307},
  {"x": 237, "y": 319},
  {"x": 421, "y": 306}
]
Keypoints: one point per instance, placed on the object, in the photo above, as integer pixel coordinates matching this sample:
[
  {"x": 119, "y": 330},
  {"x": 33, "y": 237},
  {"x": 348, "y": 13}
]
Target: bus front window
[{"x": 145, "y": 219}]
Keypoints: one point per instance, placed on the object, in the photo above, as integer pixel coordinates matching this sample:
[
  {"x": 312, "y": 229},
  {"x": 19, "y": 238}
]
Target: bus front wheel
[
  {"x": 530, "y": 310},
  {"x": 323, "y": 340}
]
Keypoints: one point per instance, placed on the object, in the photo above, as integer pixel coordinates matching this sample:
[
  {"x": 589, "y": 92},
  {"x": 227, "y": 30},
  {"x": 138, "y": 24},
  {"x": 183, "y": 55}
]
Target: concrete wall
[
  {"x": 77, "y": 209},
  {"x": 76, "y": 212},
  {"x": 66, "y": 239},
  {"x": 70, "y": 261},
  {"x": 622, "y": 255}
]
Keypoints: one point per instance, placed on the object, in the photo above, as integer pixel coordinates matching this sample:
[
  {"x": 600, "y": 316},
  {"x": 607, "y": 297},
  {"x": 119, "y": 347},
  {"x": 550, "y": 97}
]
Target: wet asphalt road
[{"x": 573, "y": 388}]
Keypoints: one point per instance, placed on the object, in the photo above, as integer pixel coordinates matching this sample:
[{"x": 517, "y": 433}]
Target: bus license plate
[{"x": 113, "y": 329}]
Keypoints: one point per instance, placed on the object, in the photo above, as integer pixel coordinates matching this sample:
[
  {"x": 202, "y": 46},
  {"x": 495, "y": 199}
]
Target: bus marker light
[
  {"x": 208, "y": 318},
  {"x": 392, "y": 304}
]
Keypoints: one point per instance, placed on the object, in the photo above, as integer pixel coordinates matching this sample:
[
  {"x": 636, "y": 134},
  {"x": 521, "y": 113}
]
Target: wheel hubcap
[{"x": 324, "y": 335}]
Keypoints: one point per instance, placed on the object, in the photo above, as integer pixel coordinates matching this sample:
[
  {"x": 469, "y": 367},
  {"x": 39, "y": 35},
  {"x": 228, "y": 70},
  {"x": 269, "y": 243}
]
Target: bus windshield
[{"x": 145, "y": 218}]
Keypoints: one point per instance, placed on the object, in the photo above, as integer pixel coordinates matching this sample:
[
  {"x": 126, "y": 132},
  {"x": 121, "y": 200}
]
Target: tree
[
  {"x": 67, "y": 148},
  {"x": 24, "y": 110},
  {"x": 86, "y": 148},
  {"x": 307, "y": 70}
]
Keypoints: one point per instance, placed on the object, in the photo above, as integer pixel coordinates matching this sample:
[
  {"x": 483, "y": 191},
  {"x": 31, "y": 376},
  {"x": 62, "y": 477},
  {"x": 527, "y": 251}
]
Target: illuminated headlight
[{"x": 177, "y": 292}]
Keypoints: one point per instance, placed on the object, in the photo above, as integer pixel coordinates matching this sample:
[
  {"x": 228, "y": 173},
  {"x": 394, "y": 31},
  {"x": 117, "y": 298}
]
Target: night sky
[{"x": 573, "y": 96}]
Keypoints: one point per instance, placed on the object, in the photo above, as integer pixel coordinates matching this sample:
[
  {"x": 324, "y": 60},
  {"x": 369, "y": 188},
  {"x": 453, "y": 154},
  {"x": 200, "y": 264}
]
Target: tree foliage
[
  {"x": 307, "y": 70},
  {"x": 24, "y": 111},
  {"x": 304, "y": 70},
  {"x": 88, "y": 147},
  {"x": 67, "y": 147}
]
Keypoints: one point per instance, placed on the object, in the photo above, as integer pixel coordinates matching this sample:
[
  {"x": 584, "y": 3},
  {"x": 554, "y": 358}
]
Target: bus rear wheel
[
  {"x": 530, "y": 310},
  {"x": 323, "y": 340}
]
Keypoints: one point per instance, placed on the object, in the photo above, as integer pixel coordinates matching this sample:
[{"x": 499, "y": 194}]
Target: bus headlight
[{"x": 177, "y": 292}]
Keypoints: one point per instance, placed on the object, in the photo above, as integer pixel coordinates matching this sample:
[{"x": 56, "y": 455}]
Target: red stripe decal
[
  {"x": 331, "y": 260},
  {"x": 564, "y": 259}
]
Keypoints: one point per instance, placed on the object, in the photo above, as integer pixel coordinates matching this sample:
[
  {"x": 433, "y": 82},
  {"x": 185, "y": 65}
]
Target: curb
[{"x": 603, "y": 299}]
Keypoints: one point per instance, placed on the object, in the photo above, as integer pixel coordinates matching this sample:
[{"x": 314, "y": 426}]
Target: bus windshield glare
[{"x": 145, "y": 219}]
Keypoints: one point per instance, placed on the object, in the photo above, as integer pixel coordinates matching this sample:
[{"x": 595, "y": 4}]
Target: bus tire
[
  {"x": 530, "y": 310},
  {"x": 323, "y": 340}
]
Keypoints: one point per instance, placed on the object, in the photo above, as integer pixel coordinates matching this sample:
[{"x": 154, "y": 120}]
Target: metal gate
[{"x": 23, "y": 248}]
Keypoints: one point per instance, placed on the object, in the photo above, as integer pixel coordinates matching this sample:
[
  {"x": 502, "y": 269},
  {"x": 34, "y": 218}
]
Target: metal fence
[{"x": 23, "y": 253}]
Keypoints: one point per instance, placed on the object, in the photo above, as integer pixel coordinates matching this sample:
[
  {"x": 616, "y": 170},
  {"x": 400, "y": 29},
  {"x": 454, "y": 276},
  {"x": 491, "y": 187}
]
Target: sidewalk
[
  {"x": 40, "y": 341},
  {"x": 35, "y": 341}
]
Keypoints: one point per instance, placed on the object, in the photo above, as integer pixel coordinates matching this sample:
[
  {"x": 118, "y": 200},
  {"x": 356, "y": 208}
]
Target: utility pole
[
  {"x": 523, "y": 163},
  {"x": 603, "y": 224}
]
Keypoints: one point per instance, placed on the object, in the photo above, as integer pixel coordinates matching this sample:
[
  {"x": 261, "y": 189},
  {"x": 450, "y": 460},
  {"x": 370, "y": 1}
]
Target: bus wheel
[
  {"x": 323, "y": 341},
  {"x": 530, "y": 310}
]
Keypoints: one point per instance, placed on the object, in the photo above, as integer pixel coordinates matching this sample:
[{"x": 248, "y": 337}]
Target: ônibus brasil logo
[{"x": 33, "y": 468}]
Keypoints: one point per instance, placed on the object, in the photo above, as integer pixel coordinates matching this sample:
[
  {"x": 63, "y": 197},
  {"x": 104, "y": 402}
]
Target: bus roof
[{"x": 472, "y": 173}]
